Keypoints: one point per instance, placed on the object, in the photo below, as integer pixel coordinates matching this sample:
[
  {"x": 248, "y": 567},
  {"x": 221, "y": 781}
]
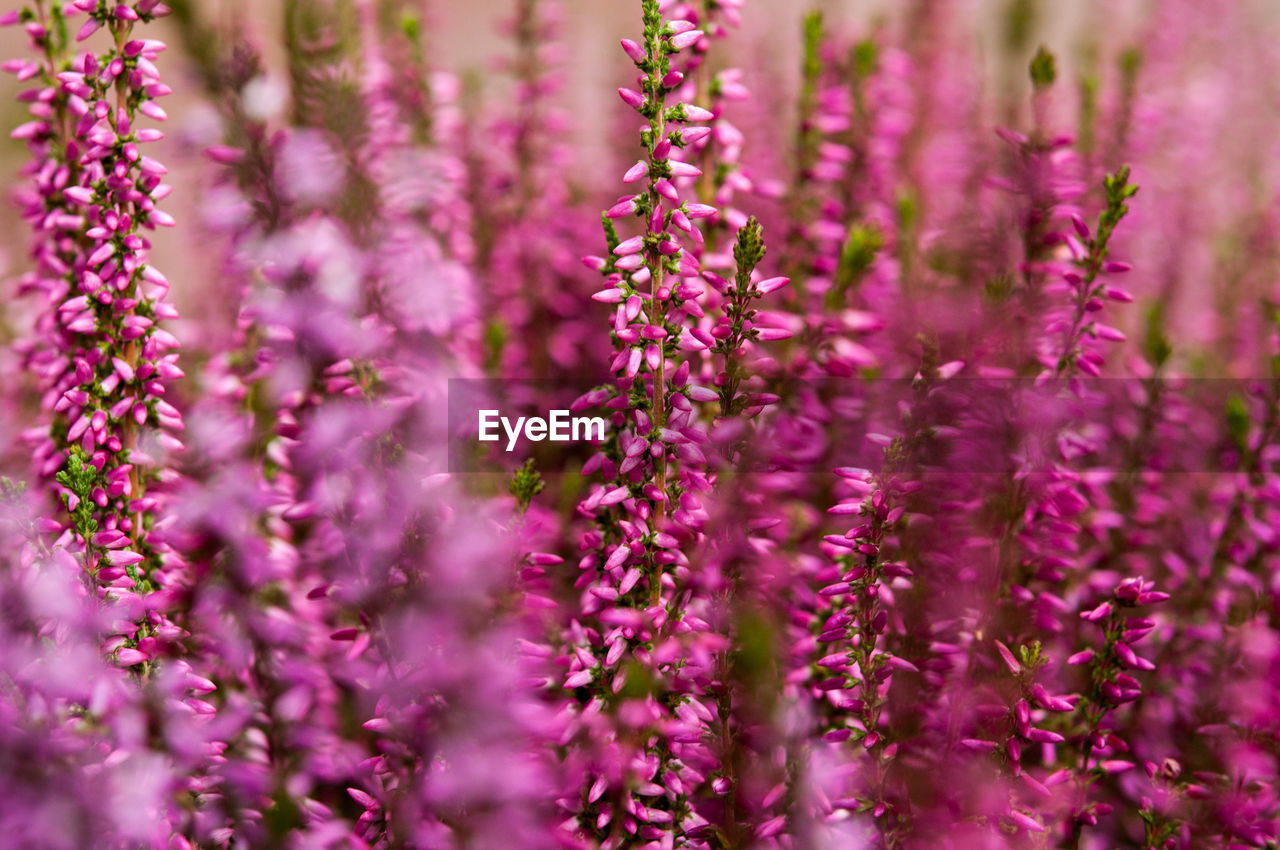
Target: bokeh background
[{"x": 1228, "y": 80}]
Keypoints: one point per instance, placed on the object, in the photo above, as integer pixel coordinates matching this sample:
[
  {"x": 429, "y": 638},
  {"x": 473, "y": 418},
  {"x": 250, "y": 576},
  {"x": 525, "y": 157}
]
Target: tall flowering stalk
[
  {"x": 307, "y": 587},
  {"x": 529, "y": 213},
  {"x": 642, "y": 655},
  {"x": 101, "y": 355}
]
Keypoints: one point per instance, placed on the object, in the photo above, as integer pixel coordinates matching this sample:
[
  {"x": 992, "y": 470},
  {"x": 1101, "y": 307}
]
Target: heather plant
[
  {"x": 102, "y": 359},
  {"x": 945, "y": 520}
]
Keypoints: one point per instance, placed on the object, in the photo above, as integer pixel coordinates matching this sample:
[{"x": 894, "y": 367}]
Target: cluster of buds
[
  {"x": 1088, "y": 289},
  {"x": 719, "y": 153},
  {"x": 855, "y": 678},
  {"x": 1112, "y": 686},
  {"x": 100, "y": 354},
  {"x": 631, "y": 648},
  {"x": 644, "y": 654}
]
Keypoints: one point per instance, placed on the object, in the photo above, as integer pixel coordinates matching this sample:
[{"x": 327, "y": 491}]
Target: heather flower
[
  {"x": 529, "y": 226},
  {"x": 869, "y": 553},
  {"x": 103, "y": 359},
  {"x": 643, "y": 636}
]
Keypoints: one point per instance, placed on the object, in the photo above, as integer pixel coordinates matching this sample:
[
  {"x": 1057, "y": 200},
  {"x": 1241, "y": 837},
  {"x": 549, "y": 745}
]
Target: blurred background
[{"x": 1213, "y": 117}]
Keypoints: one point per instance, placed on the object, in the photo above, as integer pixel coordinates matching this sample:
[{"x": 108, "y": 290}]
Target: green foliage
[
  {"x": 1000, "y": 287},
  {"x": 1044, "y": 69},
  {"x": 813, "y": 36},
  {"x": 866, "y": 58},
  {"x": 755, "y": 655},
  {"x": 1130, "y": 65},
  {"x": 1238, "y": 420},
  {"x": 1032, "y": 656},
  {"x": 1273, "y": 310},
  {"x": 1119, "y": 190},
  {"x": 410, "y": 25},
  {"x": 495, "y": 339},
  {"x": 525, "y": 484},
  {"x": 907, "y": 209},
  {"x": 1088, "y": 112},
  {"x": 640, "y": 682},
  {"x": 748, "y": 251},
  {"x": 861, "y": 246},
  {"x": 1155, "y": 343},
  {"x": 1019, "y": 21},
  {"x": 80, "y": 479}
]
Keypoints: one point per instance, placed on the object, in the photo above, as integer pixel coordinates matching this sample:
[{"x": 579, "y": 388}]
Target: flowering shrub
[{"x": 937, "y": 501}]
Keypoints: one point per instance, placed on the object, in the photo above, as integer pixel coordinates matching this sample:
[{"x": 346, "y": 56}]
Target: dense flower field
[{"x": 937, "y": 506}]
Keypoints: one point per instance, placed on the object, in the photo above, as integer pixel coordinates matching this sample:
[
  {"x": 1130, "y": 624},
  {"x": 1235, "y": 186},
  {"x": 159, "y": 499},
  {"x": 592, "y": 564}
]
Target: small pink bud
[
  {"x": 123, "y": 558},
  {"x": 623, "y": 208},
  {"x": 636, "y": 172},
  {"x": 697, "y": 113},
  {"x": 224, "y": 155},
  {"x": 684, "y": 169},
  {"x": 1009, "y": 661},
  {"x": 89, "y": 28},
  {"x": 634, "y": 245},
  {"x": 772, "y": 334},
  {"x": 631, "y": 98},
  {"x": 633, "y": 50},
  {"x": 1081, "y": 228},
  {"x": 693, "y": 135},
  {"x": 612, "y": 295},
  {"x": 686, "y": 39}
]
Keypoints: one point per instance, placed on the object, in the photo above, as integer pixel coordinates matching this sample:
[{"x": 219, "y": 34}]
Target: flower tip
[
  {"x": 1009, "y": 661},
  {"x": 633, "y": 50},
  {"x": 123, "y": 558},
  {"x": 1014, "y": 138},
  {"x": 635, "y": 172},
  {"x": 772, "y": 334},
  {"x": 631, "y": 98},
  {"x": 89, "y": 28},
  {"x": 224, "y": 154},
  {"x": 686, "y": 39},
  {"x": 1026, "y": 822},
  {"x": 697, "y": 113},
  {"x": 612, "y": 295}
]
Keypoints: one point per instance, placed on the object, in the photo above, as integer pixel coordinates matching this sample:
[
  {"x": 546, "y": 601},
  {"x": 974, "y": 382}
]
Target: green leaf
[
  {"x": 1238, "y": 422},
  {"x": 861, "y": 246},
  {"x": 813, "y": 35},
  {"x": 749, "y": 250},
  {"x": 1019, "y": 21},
  {"x": 525, "y": 484},
  {"x": 1044, "y": 68},
  {"x": 1155, "y": 344},
  {"x": 866, "y": 58}
]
